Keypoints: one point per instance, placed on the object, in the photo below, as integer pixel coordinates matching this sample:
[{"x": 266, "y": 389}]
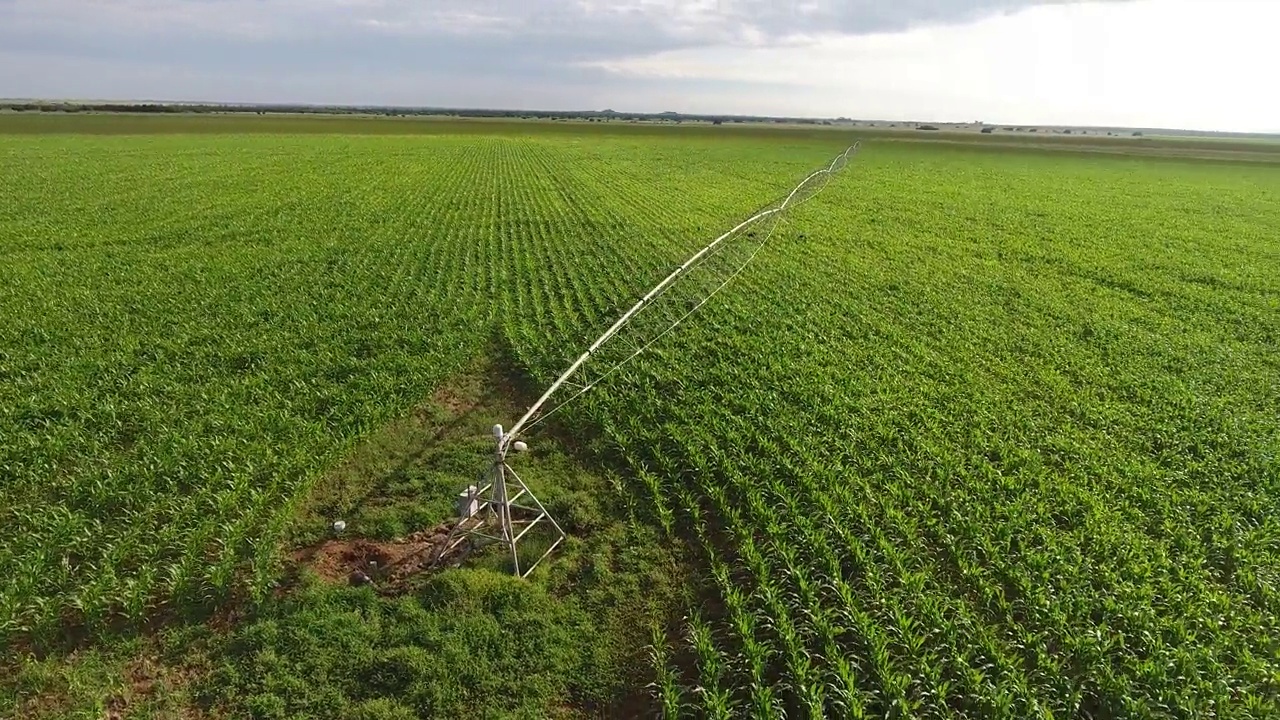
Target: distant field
[
  {"x": 989, "y": 430},
  {"x": 1226, "y": 149}
]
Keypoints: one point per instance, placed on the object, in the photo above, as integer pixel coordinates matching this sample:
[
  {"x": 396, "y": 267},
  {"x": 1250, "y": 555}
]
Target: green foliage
[
  {"x": 197, "y": 328},
  {"x": 996, "y": 436},
  {"x": 469, "y": 642},
  {"x": 466, "y": 643},
  {"x": 382, "y": 709},
  {"x": 1009, "y": 457}
]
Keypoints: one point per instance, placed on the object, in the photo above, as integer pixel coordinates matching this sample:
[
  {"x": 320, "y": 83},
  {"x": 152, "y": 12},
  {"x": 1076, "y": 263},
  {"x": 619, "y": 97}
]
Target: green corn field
[{"x": 982, "y": 431}]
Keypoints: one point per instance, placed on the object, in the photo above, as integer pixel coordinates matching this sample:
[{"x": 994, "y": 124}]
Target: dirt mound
[{"x": 386, "y": 564}]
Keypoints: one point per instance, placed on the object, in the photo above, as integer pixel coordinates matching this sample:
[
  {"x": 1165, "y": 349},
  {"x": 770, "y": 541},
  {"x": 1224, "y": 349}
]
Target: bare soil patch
[{"x": 387, "y": 565}]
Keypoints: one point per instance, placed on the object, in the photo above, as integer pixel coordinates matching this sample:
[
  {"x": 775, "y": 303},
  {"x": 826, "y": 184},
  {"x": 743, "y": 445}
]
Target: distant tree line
[
  {"x": 388, "y": 111},
  {"x": 590, "y": 115},
  {"x": 95, "y": 107}
]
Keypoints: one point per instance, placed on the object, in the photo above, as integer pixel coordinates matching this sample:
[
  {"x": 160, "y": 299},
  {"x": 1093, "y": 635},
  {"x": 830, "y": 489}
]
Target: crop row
[
  {"x": 196, "y": 328},
  {"x": 931, "y": 473},
  {"x": 938, "y": 455}
]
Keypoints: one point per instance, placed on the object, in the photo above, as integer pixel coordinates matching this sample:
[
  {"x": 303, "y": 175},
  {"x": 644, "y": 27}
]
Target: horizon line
[{"x": 460, "y": 109}]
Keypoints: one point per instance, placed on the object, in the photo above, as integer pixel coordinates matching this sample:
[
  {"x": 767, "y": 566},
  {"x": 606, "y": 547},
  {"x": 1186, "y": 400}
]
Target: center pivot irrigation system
[{"x": 490, "y": 513}]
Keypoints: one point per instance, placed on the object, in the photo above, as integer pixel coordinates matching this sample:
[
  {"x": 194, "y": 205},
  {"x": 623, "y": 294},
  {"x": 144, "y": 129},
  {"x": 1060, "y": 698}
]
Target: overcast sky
[{"x": 1205, "y": 64}]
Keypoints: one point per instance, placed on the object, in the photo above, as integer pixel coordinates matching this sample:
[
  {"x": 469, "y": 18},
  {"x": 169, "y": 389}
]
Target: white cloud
[
  {"x": 697, "y": 21},
  {"x": 1149, "y": 63},
  {"x": 1188, "y": 63}
]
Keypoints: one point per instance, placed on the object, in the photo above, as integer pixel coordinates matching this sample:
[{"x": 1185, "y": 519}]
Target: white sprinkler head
[
  {"x": 497, "y": 431},
  {"x": 519, "y": 446},
  {"x": 339, "y": 525}
]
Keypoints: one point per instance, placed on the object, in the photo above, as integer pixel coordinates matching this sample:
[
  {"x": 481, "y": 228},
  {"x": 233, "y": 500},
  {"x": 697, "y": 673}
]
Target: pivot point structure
[{"x": 502, "y": 511}]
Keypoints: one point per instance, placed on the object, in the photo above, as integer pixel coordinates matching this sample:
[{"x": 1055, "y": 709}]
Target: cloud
[
  {"x": 663, "y": 22},
  {"x": 521, "y": 37},
  {"x": 1150, "y": 62}
]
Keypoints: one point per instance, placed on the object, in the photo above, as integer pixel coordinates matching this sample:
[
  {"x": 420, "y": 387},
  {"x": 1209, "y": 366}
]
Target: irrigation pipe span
[{"x": 807, "y": 188}]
